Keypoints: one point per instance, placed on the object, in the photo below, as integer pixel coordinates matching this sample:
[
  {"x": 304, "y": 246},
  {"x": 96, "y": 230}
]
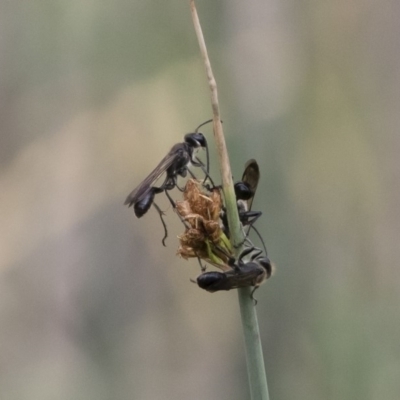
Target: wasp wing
[
  {"x": 250, "y": 274},
  {"x": 145, "y": 186},
  {"x": 251, "y": 176}
]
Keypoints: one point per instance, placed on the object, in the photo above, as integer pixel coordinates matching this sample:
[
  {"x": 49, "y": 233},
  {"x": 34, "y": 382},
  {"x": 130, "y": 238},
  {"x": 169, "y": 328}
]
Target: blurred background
[{"x": 93, "y": 95}]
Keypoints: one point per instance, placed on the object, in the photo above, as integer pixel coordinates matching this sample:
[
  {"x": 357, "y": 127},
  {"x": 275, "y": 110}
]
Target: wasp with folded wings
[
  {"x": 245, "y": 191},
  {"x": 176, "y": 163},
  {"x": 242, "y": 274}
]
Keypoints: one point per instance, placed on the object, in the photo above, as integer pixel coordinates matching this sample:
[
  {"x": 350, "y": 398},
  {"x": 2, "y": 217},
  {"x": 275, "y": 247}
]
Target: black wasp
[
  {"x": 175, "y": 163},
  {"x": 245, "y": 191},
  {"x": 252, "y": 273}
]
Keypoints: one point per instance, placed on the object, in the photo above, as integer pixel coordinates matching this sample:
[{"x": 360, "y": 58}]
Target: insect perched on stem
[
  {"x": 242, "y": 274},
  {"x": 245, "y": 191},
  {"x": 176, "y": 163},
  {"x": 238, "y": 274}
]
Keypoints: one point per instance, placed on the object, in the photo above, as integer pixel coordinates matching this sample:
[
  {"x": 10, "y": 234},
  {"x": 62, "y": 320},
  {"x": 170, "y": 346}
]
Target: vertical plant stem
[
  {"x": 225, "y": 168},
  {"x": 254, "y": 355}
]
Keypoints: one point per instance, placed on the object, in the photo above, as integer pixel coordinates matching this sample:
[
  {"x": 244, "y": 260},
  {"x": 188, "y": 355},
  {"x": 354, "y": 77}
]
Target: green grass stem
[{"x": 254, "y": 355}]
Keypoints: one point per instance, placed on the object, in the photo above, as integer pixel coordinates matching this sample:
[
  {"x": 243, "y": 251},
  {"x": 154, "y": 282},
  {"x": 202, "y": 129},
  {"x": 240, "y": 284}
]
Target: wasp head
[
  {"x": 196, "y": 140},
  {"x": 243, "y": 191},
  {"x": 266, "y": 264}
]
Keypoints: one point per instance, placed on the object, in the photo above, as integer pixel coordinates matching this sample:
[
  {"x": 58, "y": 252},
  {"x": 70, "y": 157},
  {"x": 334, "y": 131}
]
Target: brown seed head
[{"x": 204, "y": 238}]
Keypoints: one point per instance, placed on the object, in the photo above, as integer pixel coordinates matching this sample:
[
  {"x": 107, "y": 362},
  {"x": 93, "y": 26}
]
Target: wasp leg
[
  {"x": 174, "y": 207},
  {"x": 202, "y": 267},
  {"x": 247, "y": 251},
  {"x": 192, "y": 174},
  {"x": 161, "y": 213},
  {"x": 261, "y": 239},
  {"x": 198, "y": 163},
  {"x": 179, "y": 188},
  {"x": 252, "y": 295},
  {"x": 246, "y": 239},
  {"x": 249, "y": 218}
]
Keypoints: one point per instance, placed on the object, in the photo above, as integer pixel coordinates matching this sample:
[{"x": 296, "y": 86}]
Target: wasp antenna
[
  {"x": 261, "y": 239},
  {"x": 202, "y": 124},
  {"x": 208, "y": 158}
]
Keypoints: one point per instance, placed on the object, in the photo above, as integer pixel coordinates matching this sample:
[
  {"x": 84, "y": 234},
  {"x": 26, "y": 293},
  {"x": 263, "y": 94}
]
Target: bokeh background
[{"x": 93, "y": 94}]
